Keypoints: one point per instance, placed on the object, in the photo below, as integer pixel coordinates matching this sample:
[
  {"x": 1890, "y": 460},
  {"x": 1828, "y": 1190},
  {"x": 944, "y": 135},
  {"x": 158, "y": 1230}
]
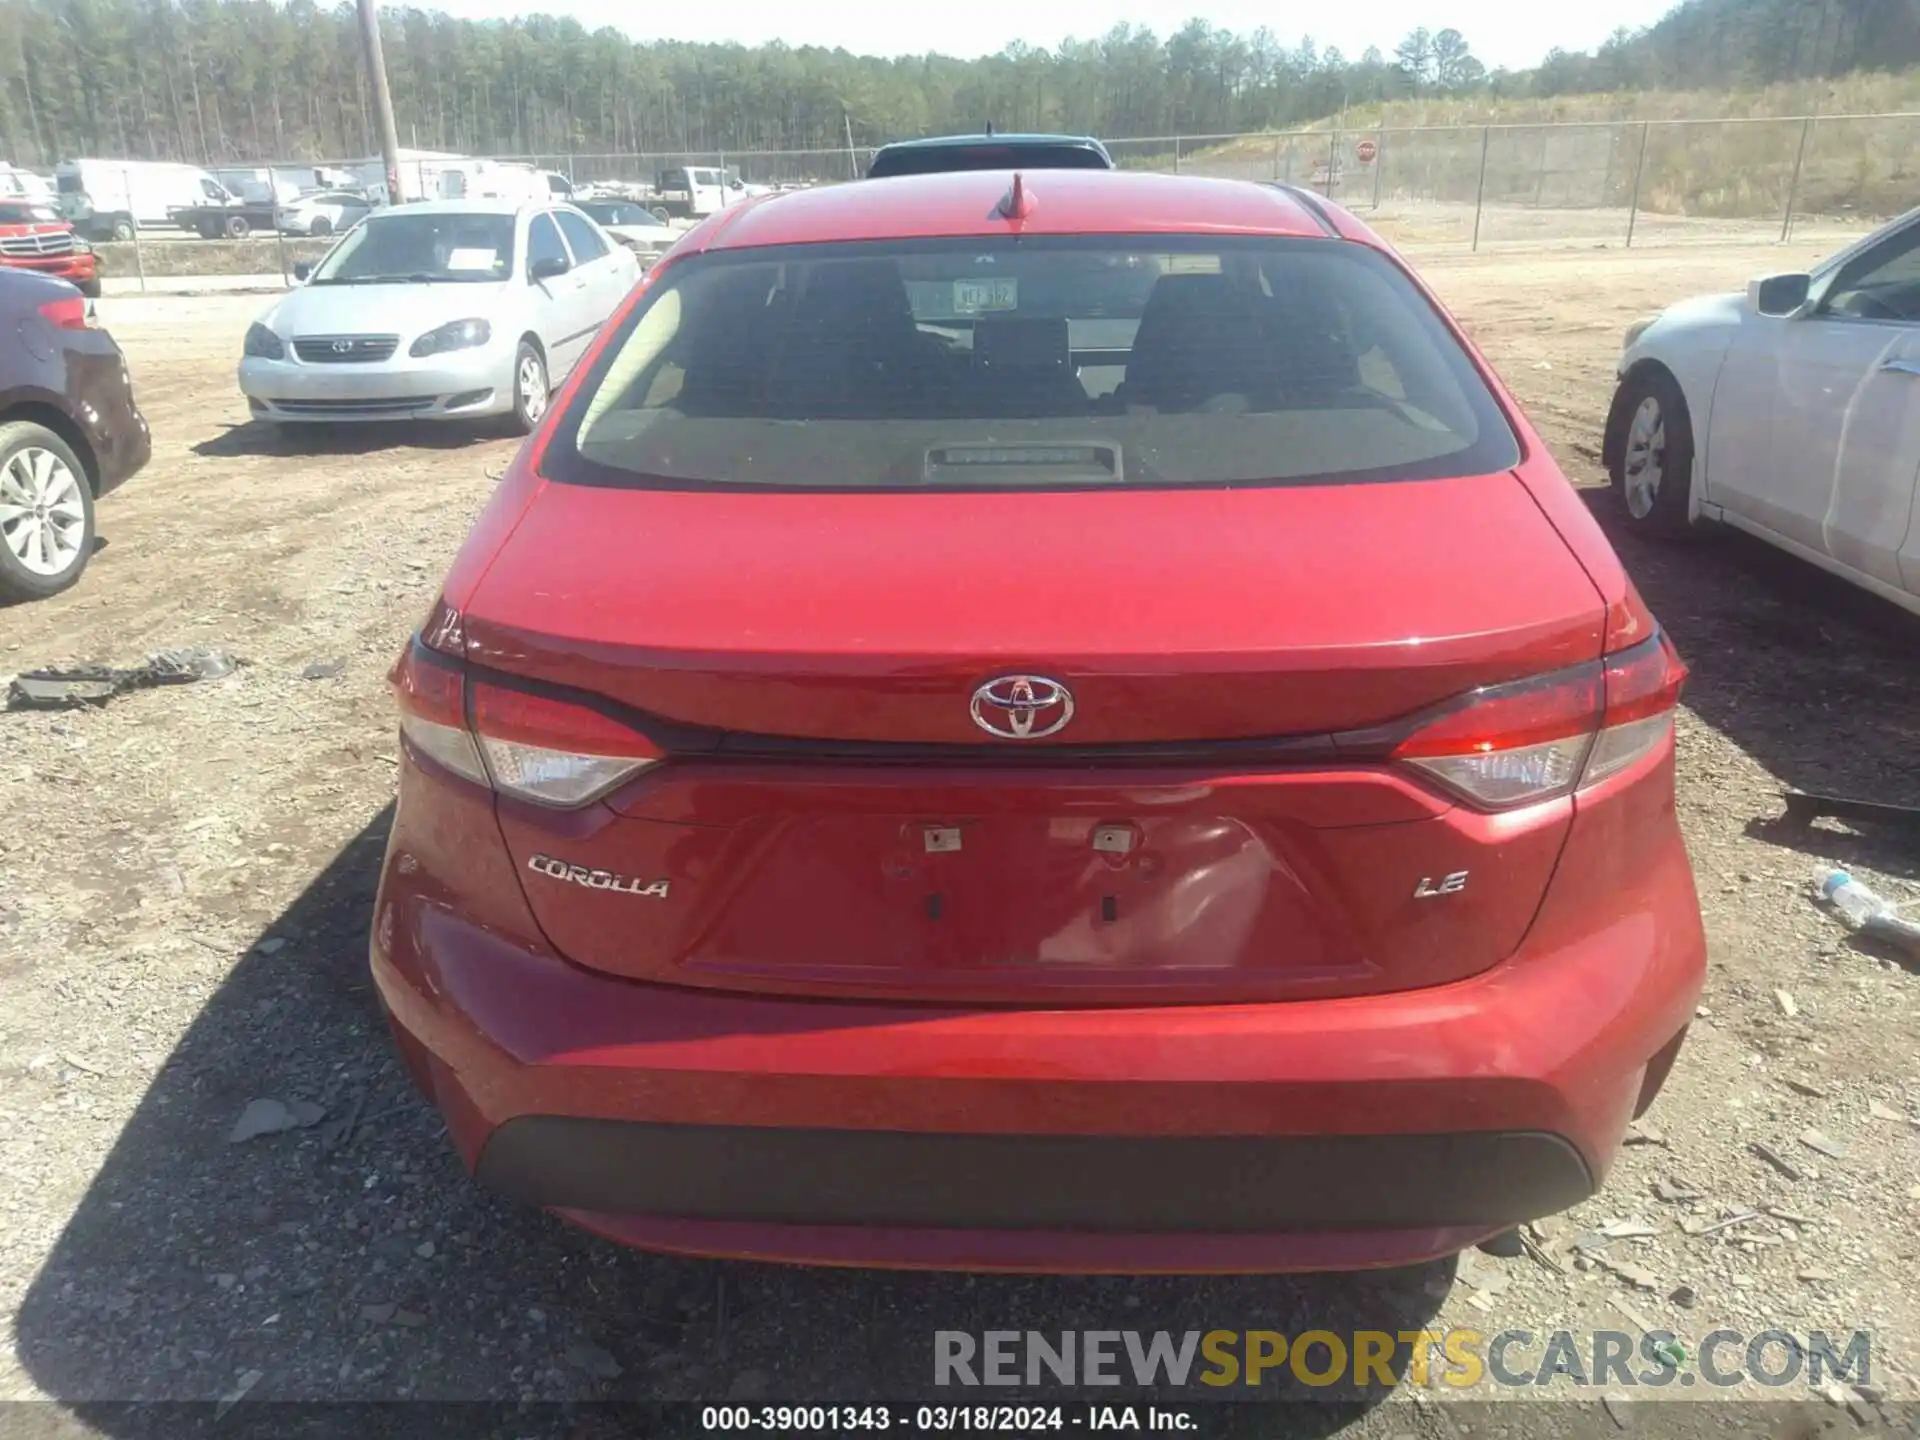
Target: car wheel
[
  {"x": 89, "y": 288},
  {"x": 237, "y": 227},
  {"x": 1653, "y": 463},
  {"x": 123, "y": 227},
  {"x": 46, "y": 513},
  {"x": 662, "y": 214},
  {"x": 321, "y": 226},
  {"x": 530, "y": 389}
]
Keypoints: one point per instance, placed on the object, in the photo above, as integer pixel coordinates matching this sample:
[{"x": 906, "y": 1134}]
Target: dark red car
[
  {"x": 34, "y": 236},
  {"x": 1044, "y": 722}
]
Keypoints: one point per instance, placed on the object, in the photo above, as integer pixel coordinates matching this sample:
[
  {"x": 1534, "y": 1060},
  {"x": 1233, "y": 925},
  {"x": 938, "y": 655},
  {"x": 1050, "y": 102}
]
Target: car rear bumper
[
  {"x": 1318, "y": 1134},
  {"x": 460, "y": 386},
  {"x": 116, "y": 431},
  {"x": 79, "y": 269}
]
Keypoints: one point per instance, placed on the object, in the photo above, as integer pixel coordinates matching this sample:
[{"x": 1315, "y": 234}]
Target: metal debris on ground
[
  {"x": 1823, "y": 1144},
  {"x": 73, "y": 687},
  {"x": 1696, "y": 1229},
  {"x": 1803, "y": 807},
  {"x": 1634, "y": 1275},
  {"x": 1778, "y": 1161}
]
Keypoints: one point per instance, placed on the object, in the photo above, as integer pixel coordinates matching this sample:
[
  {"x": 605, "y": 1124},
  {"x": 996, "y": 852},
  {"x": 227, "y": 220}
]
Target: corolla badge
[
  {"x": 596, "y": 879},
  {"x": 1022, "y": 707}
]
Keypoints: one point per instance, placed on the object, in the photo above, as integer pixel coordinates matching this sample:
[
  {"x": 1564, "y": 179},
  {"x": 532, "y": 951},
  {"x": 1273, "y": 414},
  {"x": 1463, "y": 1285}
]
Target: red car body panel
[{"x": 825, "y": 993}]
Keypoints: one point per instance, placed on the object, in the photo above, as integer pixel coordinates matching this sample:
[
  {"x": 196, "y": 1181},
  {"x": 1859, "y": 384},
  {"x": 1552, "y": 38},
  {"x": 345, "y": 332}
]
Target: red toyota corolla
[{"x": 1050, "y": 722}]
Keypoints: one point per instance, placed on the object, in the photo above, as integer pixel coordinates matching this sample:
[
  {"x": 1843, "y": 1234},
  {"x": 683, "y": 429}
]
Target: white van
[
  {"x": 431, "y": 175},
  {"x": 110, "y": 199},
  {"x": 18, "y": 184}
]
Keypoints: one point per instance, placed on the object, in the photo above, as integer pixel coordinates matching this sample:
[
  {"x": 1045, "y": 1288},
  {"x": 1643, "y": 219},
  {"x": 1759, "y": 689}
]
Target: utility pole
[
  {"x": 853, "y": 160},
  {"x": 382, "y": 99}
]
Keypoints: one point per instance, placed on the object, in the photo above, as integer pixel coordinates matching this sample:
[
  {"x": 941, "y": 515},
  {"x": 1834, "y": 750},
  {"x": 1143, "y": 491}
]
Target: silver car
[
  {"x": 450, "y": 309},
  {"x": 326, "y": 212}
]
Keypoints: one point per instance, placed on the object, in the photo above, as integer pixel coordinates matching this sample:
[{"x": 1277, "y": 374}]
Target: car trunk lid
[{"x": 832, "y": 819}]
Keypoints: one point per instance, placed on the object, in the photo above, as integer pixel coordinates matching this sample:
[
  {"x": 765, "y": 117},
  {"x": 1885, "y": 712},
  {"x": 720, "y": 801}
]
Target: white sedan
[
  {"x": 1791, "y": 412},
  {"x": 325, "y": 212},
  {"x": 444, "y": 310}
]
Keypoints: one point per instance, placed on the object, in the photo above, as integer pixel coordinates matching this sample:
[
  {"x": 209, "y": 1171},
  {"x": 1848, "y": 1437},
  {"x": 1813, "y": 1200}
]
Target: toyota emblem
[
  {"x": 342, "y": 347},
  {"x": 1022, "y": 707}
]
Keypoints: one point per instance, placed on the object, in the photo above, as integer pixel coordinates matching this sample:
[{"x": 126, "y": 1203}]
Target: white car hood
[{"x": 405, "y": 310}]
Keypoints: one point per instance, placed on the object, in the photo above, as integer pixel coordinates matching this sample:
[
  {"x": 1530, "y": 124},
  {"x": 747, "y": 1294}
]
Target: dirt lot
[{"x": 185, "y": 878}]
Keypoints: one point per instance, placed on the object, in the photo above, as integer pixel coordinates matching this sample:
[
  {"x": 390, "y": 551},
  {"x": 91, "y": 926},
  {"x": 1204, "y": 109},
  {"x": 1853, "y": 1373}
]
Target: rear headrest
[{"x": 1199, "y": 336}]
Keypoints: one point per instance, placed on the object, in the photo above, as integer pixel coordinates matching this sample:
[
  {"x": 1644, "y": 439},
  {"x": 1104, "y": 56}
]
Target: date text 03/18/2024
[{"x": 947, "y": 1419}]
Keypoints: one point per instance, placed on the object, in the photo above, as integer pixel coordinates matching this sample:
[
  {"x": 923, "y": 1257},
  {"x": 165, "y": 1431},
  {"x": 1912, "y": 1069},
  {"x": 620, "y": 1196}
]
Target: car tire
[
  {"x": 532, "y": 388},
  {"x": 1652, "y": 465},
  {"x": 46, "y": 513},
  {"x": 237, "y": 227},
  {"x": 122, "y": 228},
  {"x": 321, "y": 226},
  {"x": 89, "y": 288},
  {"x": 662, "y": 214}
]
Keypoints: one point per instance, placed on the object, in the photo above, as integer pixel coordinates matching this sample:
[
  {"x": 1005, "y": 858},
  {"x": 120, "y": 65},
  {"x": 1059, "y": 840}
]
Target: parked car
[
  {"x": 906, "y": 774},
  {"x": 69, "y": 432},
  {"x": 1791, "y": 412},
  {"x": 324, "y": 213},
  {"x": 438, "y": 310},
  {"x": 33, "y": 236},
  {"x": 988, "y": 152},
  {"x": 633, "y": 225}
]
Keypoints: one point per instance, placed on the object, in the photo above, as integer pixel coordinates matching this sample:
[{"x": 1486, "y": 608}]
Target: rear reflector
[
  {"x": 1518, "y": 744},
  {"x": 72, "y": 313},
  {"x": 540, "y": 748}
]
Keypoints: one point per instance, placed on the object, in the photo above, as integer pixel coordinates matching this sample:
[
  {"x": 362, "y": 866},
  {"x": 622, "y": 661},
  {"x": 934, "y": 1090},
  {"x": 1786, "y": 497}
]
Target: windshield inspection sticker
[{"x": 473, "y": 259}]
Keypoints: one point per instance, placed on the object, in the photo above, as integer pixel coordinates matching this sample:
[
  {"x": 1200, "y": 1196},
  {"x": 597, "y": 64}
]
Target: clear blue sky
[{"x": 1510, "y": 33}]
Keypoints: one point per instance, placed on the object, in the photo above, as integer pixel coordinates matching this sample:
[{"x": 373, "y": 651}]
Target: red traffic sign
[{"x": 1366, "y": 150}]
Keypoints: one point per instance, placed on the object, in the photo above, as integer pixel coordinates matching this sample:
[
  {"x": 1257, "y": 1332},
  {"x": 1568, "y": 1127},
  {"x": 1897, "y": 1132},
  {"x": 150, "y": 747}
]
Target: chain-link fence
[
  {"x": 1621, "y": 182},
  {"x": 1609, "y": 182}
]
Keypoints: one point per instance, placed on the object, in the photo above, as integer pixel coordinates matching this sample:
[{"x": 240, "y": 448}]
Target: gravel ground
[{"x": 186, "y": 881}]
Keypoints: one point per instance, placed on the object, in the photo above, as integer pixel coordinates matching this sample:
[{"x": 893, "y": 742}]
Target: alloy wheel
[{"x": 42, "y": 517}]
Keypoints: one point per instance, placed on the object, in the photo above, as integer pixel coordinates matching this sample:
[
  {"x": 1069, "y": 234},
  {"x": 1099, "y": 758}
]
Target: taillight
[
  {"x": 1517, "y": 744},
  {"x": 538, "y": 747},
  {"x": 552, "y": 751},
  {"x": 68, "y": 313},
  {"x": 432, "y": 698}
]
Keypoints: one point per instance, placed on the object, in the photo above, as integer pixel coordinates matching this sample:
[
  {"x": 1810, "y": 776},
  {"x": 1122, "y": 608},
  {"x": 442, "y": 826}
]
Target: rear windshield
[
  {"x": 935, "y": 159},
  {"x": 1035, "y": 363}
]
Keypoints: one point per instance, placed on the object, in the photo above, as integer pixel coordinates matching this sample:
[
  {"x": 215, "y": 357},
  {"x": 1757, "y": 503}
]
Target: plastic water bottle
[
  {"x": 1865, "y": 911},
  {"x": 1855, "y": 902}
]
